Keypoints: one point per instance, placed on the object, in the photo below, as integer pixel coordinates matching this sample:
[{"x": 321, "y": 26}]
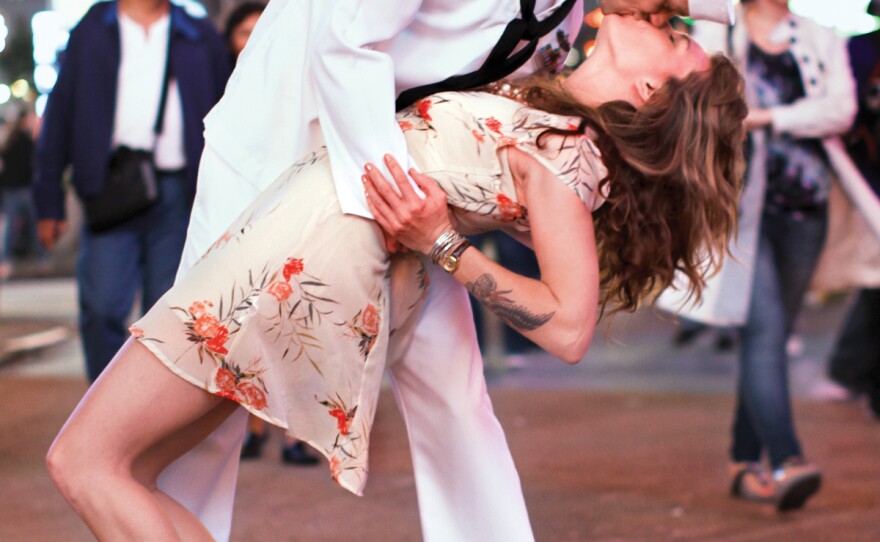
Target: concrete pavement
[{"x": 629, "y": 445}]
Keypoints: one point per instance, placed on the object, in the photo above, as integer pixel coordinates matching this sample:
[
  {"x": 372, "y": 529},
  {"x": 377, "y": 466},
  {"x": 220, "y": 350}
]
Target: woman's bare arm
[{"x": 557, "y": 312}]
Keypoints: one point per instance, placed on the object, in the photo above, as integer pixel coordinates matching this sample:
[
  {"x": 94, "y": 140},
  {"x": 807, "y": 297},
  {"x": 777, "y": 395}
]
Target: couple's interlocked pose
[{"x": 327, "y": 246}]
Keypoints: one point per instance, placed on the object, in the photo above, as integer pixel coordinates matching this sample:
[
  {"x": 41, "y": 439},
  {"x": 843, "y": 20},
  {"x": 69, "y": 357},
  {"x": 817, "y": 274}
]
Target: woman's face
[
  {"x": 645, "y": 55},
  {"x": 240, "y": 34}
]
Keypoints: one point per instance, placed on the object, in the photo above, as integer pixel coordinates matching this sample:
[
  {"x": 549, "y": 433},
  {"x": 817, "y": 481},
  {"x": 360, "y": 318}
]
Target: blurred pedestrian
[
  {"x": 802, "y": 97},
  {"x": 239, "y": 25},
  {"x": 16, "y": 177},
  {"x": 855, "y": 360},
  {"x": 136, "y": 79}
]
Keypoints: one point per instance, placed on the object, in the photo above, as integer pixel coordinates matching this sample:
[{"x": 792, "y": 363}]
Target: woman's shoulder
[
  {"x": 814, "y": 29},
  {"x": 575, "y": 160}
]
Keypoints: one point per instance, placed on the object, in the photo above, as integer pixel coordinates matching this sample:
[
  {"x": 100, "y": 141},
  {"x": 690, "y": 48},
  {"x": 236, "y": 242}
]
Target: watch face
[{"x": 450, "y": 264}]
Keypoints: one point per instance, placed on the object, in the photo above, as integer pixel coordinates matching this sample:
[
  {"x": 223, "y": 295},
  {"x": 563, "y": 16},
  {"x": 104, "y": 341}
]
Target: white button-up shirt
[{"x": 141, "y": 73}]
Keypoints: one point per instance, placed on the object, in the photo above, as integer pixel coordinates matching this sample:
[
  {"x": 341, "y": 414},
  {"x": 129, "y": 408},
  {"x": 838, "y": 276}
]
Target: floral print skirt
[{"x": 289, "y": 314}]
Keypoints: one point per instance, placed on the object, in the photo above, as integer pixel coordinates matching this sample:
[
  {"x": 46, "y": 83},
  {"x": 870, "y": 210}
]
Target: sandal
[
  {"x": 751, "y": 482},
  {"x": 796, "y": 481}
]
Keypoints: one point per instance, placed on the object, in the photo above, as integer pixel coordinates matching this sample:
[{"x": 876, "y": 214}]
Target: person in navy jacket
[{"x": 107, "y": 95}]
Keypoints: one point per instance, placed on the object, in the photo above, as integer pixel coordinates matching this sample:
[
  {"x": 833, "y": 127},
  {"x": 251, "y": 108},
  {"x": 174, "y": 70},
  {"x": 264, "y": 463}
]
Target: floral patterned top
[
  {"x": 478, "y": 183},
  {"x": 798, "y": 175}
]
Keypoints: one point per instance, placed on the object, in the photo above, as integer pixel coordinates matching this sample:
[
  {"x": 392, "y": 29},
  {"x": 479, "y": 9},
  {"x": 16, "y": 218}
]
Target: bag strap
[
  {"x": 502, "y": 61},
  {"x": 163, "y": 97}
]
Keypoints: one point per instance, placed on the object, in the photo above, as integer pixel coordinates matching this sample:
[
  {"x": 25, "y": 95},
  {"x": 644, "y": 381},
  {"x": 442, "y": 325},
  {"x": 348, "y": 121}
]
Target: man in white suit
[{"x": 328, "y": 72}]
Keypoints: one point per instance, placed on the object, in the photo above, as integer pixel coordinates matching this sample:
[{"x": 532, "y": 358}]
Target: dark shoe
[
  {"x": 297, "y": 454},
  {"x": 253, "y": 445},
  {"x": 751, "y": 482},
  {"x": 687, "y": 334},
  {"x": 725, "y": 341},
  {"x": 873, "y": 399},
  {"x": 796, "y": 481}
]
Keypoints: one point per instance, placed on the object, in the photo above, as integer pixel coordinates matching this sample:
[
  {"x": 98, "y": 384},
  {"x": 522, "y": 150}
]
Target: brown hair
[{"x": 675, "y": 170}]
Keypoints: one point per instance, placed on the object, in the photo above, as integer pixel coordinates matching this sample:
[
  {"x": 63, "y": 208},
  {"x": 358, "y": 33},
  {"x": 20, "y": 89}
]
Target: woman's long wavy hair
[{"x": 675, "y": 171}]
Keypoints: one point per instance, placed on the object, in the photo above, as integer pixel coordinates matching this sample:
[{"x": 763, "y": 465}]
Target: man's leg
[
  {"x": 204, "y": 479},
  {"x": 467, "y": 484},
  {"x": 856, "y": 354},
  {"x": 107, "y": 276},
  {"x": 164, "y": 236}
]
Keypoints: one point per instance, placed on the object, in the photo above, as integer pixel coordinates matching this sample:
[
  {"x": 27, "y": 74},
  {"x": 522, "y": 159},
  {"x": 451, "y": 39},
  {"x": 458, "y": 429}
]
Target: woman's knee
[{"x": 71, "y": 467}]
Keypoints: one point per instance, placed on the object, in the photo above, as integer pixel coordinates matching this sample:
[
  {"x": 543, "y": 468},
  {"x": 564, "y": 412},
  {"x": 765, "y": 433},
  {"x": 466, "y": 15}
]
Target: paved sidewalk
[
  {"x": 597, "y": 466},
  {"x": 629, "y": 445}
]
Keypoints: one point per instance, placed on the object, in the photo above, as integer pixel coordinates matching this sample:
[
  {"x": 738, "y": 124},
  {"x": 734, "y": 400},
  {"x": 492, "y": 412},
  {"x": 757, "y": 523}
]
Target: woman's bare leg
[
  {"x": 152, "y": 463},
  {"x": 123, "y": 432}
]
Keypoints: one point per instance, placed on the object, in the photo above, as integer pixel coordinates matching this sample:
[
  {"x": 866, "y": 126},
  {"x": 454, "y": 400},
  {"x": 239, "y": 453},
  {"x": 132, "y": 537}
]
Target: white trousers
[{"x": 467, "y": 485}]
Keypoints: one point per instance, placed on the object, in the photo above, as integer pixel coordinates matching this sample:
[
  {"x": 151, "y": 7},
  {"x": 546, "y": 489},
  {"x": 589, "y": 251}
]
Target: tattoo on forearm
[{"x": 486, "y": 291}]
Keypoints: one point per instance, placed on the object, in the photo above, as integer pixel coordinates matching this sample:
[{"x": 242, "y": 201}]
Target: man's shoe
[
  {"x": 873, "y": 400},
  {"x": 796, "y": 481},
  {"x": 687, "y": 334},
  {"x": 297, "y": 454},
  {"x": 725, "y": 342},
  {"x": 751, "y": 482},
  {"x": 253, "y": 445}
]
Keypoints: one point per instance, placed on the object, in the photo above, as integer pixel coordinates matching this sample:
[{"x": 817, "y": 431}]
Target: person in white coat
[
  {"x": 807, "y": 216},
  {"x": 329, "y": 71}
]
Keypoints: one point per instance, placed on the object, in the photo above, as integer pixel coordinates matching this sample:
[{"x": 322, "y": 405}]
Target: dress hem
[{"x": 160, "y": 355}]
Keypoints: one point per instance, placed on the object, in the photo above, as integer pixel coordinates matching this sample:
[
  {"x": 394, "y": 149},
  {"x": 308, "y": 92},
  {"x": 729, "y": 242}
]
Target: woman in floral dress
[{"x": 295, "y": 311}]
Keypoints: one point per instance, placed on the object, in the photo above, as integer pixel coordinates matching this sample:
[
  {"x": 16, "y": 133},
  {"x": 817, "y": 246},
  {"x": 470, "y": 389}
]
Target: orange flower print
[
  {"x": 343, "y": 419},
  {"x": 493, "y": 124},
  {"x": 207, "y": 326},
  {"x": 343, "y": 415},
  {"x": 225, "y": 382},
  {"x": 370, "y": 320},
  {"x": 253, "y": 396},
  {"x": 507, "y": 141},
  {"x": 422, "y": 107},
  {"x": 280, "y": 290},
  {"x": 217, "y": 343},
  {"x": 198, "y": 308},
  {"x": 509, "y": 209},
  {"x": 294, "y": 266},
  {"x": 405, "y": 125},
  {"x": 136, "y": 332},
  {"x": 335, "y": 468},
  {"x": 478, "y": 135}
]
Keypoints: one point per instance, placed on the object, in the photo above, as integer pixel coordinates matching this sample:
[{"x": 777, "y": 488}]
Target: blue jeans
[
  {"x": 142, "y": 253},
  {"x": 18, "y": 206},
  {"x": 788, "y": 251}
]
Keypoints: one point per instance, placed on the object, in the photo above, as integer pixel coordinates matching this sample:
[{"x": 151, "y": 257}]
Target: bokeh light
[
  {"x": 594, "y": 18},
  {"x": 20, "y": 88}
]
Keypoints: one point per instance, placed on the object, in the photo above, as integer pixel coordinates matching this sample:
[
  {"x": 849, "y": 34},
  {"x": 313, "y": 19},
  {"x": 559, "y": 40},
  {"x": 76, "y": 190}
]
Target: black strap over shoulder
[
  {"x": 502, "y": 61},
  {"x": 163, "y": 98}
]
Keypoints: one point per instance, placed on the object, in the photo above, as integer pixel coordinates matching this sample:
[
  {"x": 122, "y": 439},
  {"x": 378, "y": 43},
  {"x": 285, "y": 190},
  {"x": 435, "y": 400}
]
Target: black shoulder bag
[{"x": 132, "y": 186}]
